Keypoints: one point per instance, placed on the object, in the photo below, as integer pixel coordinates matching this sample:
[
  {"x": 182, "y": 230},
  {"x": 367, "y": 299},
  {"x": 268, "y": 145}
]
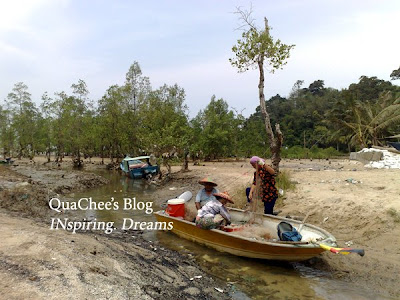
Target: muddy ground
[
  {"x": 359, "y": 206},
  {"x": 37, "y": 263}
]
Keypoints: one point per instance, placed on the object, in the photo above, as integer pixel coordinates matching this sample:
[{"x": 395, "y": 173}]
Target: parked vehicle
[{"x": 139, "y": 167}]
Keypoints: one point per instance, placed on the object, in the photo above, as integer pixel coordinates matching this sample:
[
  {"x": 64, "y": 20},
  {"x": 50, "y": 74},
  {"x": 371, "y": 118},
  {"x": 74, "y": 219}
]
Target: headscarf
[{"x": 255, "y": 159}]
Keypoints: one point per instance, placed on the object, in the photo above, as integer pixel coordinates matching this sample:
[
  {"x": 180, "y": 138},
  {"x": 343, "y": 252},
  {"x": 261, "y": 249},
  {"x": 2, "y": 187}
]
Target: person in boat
[
  {"x": 214, "y": 213},
  {"x": 265, "y": 174},
  {"x": 206, "y": 194}
]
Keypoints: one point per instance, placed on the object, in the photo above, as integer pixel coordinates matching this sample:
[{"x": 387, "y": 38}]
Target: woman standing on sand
[{"x": 264, "y": 179}]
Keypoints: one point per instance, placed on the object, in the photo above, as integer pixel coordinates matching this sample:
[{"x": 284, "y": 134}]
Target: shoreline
[
  {"x": 352, "y": 212},
  {"x": 38, "y": 263}
]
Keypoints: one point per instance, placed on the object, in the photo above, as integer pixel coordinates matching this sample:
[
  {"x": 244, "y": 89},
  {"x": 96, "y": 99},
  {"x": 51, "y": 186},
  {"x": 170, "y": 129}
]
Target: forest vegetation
[{"x": 136, "y": 119}]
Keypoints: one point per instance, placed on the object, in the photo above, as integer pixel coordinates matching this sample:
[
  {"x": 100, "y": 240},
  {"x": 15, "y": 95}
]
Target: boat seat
[{"x": 137, "y": 166}]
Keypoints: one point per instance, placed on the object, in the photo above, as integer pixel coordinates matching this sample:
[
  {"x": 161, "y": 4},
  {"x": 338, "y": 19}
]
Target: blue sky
[{"x": 50, "y": 44}]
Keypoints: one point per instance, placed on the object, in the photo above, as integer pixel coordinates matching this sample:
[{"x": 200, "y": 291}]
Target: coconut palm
[{"x": 365, "y": 123}]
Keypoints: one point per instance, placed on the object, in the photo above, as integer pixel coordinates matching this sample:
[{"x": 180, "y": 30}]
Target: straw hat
[
  {"x": 207, "y": 180},
  {"x": 224, "y": 195}
]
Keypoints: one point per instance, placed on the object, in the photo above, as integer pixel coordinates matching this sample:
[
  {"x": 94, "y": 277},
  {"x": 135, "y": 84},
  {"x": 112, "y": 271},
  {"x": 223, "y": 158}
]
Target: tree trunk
[
  {"x": 276, "y": 151},
  {"x": 185, "y": 166},
  {"x": 77, "y": 160},
  {"x": 20, "y": 152},
  {"x": 167, "y": 165},
  {"x": 275, "y": 143},
  {"x": 60, "y": 151},
  {"x": 112, "y": 153}
]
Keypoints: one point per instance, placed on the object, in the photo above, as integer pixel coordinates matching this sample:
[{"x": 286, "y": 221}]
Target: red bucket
[{"x": 176, "y": 208}]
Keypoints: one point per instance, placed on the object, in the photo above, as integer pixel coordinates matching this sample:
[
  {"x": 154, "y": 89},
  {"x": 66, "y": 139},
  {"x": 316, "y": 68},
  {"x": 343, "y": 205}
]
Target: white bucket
[
  {"x": 186, "y": 196},
  {"x": 176, "y": 201}
]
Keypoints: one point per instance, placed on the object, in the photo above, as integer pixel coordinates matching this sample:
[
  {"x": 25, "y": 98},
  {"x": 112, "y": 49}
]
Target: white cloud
[
  {"x": 368, "y": 47},
  {"x": 13, "y": 14},
  {"x": 10, "y": 50}
]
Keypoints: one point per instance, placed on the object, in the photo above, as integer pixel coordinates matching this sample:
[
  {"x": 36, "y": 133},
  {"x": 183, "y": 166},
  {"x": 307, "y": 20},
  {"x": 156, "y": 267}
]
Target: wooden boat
[
  {"x": 138, "y": 167},
  {"x": 272, "y": 249}
]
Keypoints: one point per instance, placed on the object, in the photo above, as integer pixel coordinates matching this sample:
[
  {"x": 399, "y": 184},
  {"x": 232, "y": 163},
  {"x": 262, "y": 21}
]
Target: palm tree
[{"x": 365, "y": 123}]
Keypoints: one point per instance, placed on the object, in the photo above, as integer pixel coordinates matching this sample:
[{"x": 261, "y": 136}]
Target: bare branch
[
  {"x": 246, "y": 18},
  {"x": 237, "y": 112}
]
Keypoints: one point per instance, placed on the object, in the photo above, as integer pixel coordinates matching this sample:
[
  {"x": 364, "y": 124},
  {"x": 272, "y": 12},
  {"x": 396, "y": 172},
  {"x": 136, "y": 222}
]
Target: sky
[{"x": 51, "y": 44}]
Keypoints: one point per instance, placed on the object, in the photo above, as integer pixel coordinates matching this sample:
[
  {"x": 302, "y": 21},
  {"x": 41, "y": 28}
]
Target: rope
[{"x": 256, "y": 198}]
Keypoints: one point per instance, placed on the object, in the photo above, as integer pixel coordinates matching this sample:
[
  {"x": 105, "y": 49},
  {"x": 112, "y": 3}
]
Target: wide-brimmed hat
[
  {"x": 207, "y": 180},
  {"x": 224, "y": 195}
]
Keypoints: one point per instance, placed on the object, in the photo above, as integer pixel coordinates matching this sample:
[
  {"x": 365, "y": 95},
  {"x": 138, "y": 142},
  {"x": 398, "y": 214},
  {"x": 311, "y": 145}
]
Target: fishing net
[
  {"x": 254, "y": 228},
  {"x": 190, "y": 211},
  {"x": 254, "y": 232},
  {"x": 255, "y": 210}
]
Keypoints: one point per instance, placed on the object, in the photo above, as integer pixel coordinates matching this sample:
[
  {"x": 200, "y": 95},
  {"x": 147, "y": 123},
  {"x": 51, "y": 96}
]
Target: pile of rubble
[{"x": 388, "y": 160}]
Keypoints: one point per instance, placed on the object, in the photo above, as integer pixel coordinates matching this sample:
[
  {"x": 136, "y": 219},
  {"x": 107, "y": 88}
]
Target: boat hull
[{"x": 241, "y": 246}]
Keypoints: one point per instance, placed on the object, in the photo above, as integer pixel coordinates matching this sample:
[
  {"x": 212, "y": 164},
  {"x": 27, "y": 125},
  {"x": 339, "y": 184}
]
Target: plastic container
[
  {"x": 185, "y": 196},
  {"x": 176, "y": 208}
]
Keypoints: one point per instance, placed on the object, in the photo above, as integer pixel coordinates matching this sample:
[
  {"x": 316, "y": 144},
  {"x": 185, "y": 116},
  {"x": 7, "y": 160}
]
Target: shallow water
[{"x": 247, "y": 278}]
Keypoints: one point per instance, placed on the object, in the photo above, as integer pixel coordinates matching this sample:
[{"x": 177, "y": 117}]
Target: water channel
[{"x": 252, "y": 279}]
